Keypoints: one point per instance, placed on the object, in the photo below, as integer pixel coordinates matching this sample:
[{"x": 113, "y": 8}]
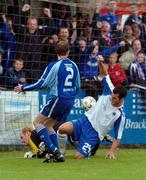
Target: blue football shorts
[
  {"x": 86, "y": 136},
  {"x": 58, "y": 109}
]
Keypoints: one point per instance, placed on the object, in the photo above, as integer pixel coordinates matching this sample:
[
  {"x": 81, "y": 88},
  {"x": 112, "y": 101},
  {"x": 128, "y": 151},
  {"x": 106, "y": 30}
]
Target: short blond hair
[{"x": 27, "y": 129}]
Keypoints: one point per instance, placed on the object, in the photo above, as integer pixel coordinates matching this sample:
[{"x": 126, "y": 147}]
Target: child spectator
[
  {"x": 15, "y": 75},
  {"x": 115, "y": 71}
]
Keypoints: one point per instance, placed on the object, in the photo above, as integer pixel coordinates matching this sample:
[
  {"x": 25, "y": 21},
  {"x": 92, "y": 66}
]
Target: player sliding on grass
[
  {"x": 94, "y": 125},
  {"x": 62, "y": 80}
]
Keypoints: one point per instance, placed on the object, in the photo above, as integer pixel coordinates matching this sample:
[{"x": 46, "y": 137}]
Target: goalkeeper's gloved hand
[{"x": 29, "y": 154}]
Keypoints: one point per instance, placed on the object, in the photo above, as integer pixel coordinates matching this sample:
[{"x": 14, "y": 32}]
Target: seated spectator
[
  {"x": 115, "y": 71},
  {"x": 138, "y": 69},
  {"x": 15, "y": 75}
]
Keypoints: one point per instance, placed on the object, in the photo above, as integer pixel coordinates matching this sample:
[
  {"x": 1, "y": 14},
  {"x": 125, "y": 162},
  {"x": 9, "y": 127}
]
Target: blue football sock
[
  {"x": 44, "y": 135},
  {"x": 53, "y": 137}
]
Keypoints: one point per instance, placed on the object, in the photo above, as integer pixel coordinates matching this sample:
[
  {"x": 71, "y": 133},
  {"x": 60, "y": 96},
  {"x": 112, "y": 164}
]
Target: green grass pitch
[{"x": 129, "y": 165}]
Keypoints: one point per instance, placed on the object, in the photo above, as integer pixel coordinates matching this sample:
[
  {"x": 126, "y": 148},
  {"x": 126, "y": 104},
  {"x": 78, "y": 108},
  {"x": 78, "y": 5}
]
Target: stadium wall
[{"x": 19, "y": 110}]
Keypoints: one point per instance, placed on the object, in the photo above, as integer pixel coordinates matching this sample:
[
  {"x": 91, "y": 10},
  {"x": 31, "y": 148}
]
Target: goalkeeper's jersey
[
  {"x": 104, "y": 116},
  {"x": 34, "y": 141}
]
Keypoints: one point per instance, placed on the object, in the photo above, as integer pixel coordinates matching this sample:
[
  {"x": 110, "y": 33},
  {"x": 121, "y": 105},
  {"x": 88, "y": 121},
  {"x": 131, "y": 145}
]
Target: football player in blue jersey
[
  {"x": 62, "y": 80},
  {"x": 94, "y": 125}
]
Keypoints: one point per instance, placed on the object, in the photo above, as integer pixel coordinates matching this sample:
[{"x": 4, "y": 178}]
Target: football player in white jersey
[{"x": 107, "y": 113}]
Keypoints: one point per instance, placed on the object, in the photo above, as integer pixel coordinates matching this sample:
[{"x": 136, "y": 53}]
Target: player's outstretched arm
[
  {"x": 102, "y": 67},
  {"x": 112, "y": 150}
]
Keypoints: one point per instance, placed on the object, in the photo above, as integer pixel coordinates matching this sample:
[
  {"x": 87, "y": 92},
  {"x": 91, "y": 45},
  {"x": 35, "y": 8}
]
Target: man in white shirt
[{"x": 107, "y": 113}]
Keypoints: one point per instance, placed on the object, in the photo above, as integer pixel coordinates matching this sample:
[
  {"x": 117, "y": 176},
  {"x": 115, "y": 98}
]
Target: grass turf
[{"x": 129, "y": 165}]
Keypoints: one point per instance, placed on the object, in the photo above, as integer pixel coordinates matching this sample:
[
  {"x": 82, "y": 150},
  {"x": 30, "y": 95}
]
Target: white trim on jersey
[
  {"x": 52, "y": 108},
  {"x": 104, "y": 115}
]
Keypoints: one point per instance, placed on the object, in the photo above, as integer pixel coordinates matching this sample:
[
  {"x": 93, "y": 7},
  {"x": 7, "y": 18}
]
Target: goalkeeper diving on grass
[
  {"x": 94, "y": 125},
  {"x": 30, "y": 138}
]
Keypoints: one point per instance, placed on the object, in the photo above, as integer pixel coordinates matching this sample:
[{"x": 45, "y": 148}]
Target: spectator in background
[
  {"x": 63, "y": 35},
  {"x": 46, "y": 18},
  {"x": 60, "y": 18},
  {"x": 20, "y": 16},
  {"x": 88, "y": 65},
  {"x": 136, "y": 31},
  {"x": 1, "y": 69},
  {"x": 29, "y": 45},
  {"x": 105, "y": 35},
  {"x": 48, "y": 52},
  {"x": 8, "y": 39},
  {"x": 134, "y": 17},
  {"x": 128, "y": 34},
  {"x": 129, "y": 56},
  {"x": 115, "y": 71},
  {"x": 138, "y": 34},
  {"x": 111, "y": 17},
  {"x": 73, "y": 28},
  {"x": 1, "y": 57},
  {"x": 143, "y": 24},
  {"x": 138, "y": 69},
  {"x": 88, "y": 33},
  {"x": 10, "y": 44},
  {"x": 80, "y": 25},
  {"x": 16, "y": 75}
]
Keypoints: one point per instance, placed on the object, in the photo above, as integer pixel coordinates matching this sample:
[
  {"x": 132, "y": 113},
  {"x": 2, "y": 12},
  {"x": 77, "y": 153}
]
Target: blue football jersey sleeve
[
  {"x": 107, "y": 85},
  {"x": 61, "y": 78}
]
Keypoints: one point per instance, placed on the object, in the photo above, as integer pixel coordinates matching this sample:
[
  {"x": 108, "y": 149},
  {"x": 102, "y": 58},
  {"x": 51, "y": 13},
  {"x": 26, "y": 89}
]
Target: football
[{"x": 88, "y": 102}]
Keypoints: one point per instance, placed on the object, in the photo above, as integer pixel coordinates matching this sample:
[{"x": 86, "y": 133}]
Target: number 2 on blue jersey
[{"x": 69, "y": 77}]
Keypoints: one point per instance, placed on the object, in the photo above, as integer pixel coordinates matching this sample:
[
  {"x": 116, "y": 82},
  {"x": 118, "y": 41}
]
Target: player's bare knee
[
  {"x": 65, "y": 128},
  {"x": 61, "y": 130},
  {"x": 78, "y": 156}
]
